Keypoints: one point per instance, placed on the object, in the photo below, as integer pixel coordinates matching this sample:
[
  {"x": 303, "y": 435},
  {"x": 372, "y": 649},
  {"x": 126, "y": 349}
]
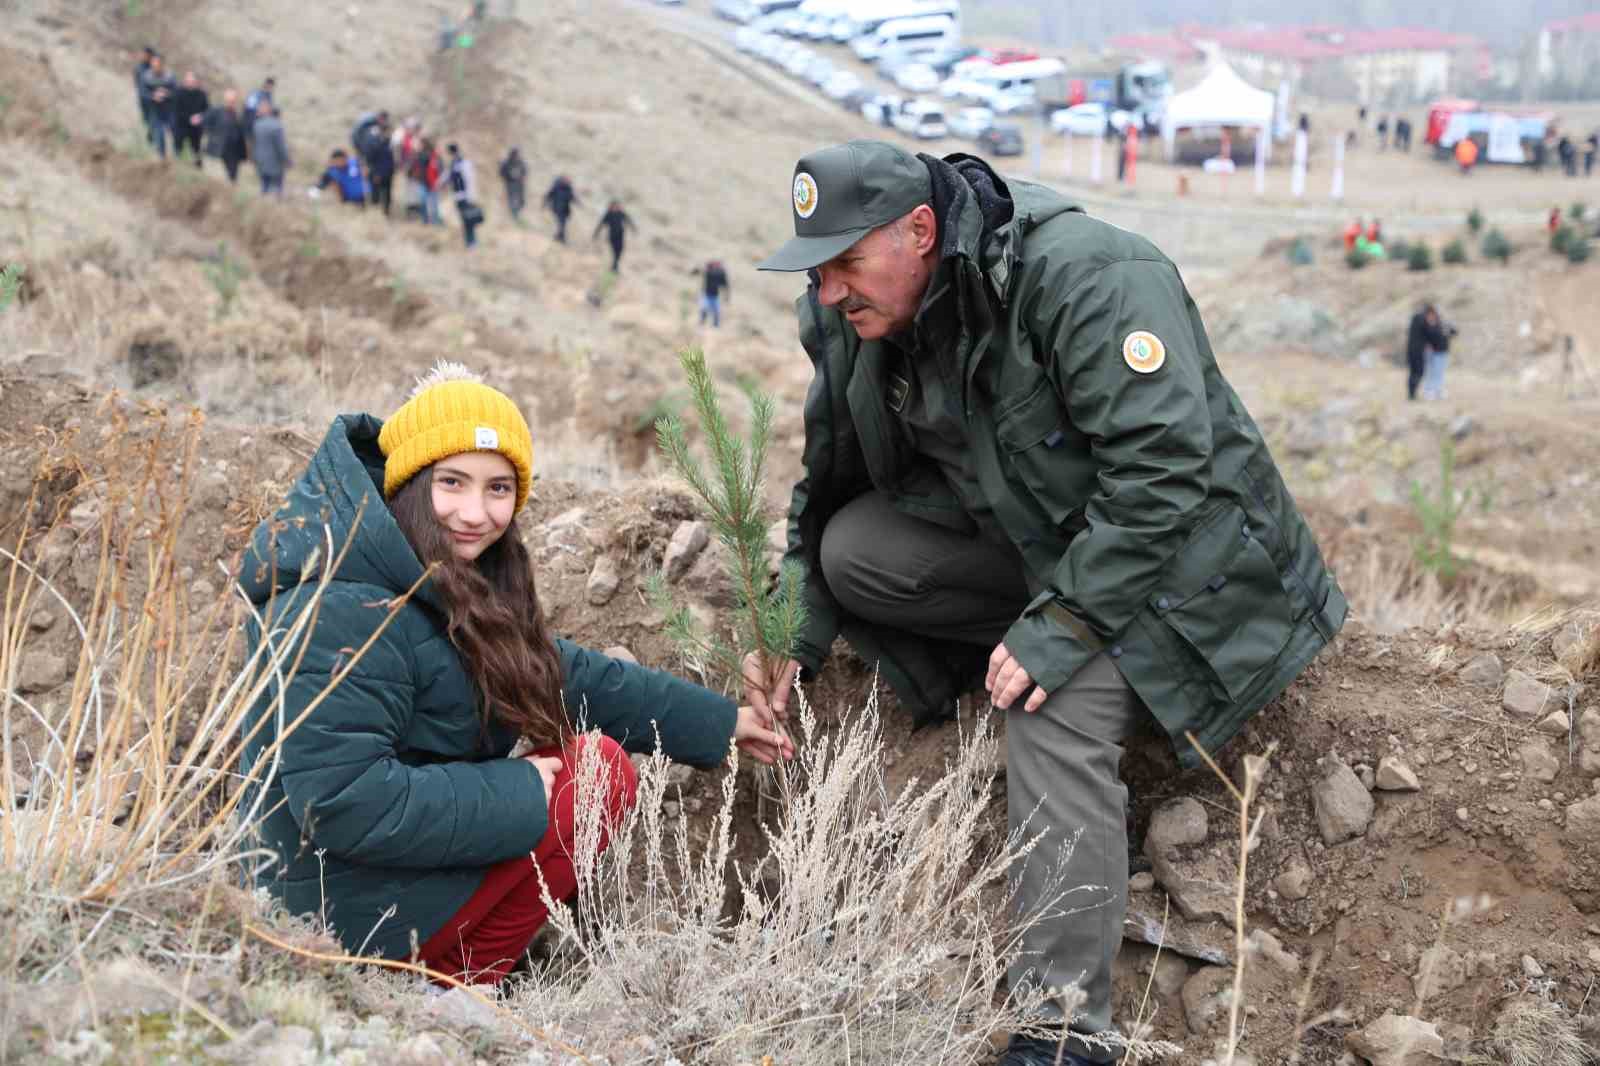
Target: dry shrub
[
  {"x": 1536, "y": 1032},
  {"x": 123, "y": 785},
  {"x": 870, "y": 932},
  {"x": 1390, "y": 592}
]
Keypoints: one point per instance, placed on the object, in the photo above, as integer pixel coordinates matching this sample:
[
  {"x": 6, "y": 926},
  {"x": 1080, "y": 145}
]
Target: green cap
[{"x": 842, "y": 193}]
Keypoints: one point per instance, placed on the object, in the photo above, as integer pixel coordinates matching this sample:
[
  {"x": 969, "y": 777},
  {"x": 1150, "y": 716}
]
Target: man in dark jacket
[
  {"x": 713, "y": 284},
  {"x": 1022, "y": 464},
  {"x": 139, "y": 68},
  {"x": 615, "y": 222},
  {"x": 376, "y": 150},
  {"x": 560, "y": 200},
  {"x": 157, "y": 91},
  {"x": 269, "y": 150},
  {"x": 1425, "y": 335},
  {"x": 189, "y": 107},
  {"x": 224, "y": 126},
  {"x": 514, "y": 173}
]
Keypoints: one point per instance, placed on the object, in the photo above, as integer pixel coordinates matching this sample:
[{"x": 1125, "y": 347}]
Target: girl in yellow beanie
[{"x": 394, "y": 808}]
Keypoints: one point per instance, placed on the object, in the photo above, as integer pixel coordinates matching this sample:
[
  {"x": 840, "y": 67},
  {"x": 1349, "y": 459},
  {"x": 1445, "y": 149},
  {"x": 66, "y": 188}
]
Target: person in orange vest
[
  {"x": 1466, "y": 154},
  {"x": 1375, "y": 232},
  {"x": 1351, "y": 233},
  {"x": 1554, "y": 222}
]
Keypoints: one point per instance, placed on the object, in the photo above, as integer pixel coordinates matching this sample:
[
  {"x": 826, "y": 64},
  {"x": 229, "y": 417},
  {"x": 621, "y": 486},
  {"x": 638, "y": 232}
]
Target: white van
[
  {"x": 909, "y": 37},
  {"x": 1002, "y": 87},
  {"x": 863, "y": 19}
]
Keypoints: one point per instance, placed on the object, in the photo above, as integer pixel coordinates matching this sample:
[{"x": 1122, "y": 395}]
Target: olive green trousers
[{"x": 1062, "y": 761}]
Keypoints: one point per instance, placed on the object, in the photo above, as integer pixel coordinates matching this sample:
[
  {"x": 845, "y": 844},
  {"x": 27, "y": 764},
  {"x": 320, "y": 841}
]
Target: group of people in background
[
  {"x": 1366, "y": 238},
  {"x": 179, "y": 114}
]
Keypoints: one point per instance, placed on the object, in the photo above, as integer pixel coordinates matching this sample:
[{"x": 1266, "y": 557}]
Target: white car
[
  {"x": 959, "y": 87},
  {"x": 921, "y": 119},
  {"x": 1089, "y": 120},
  {"x": 785, "y": 51},
  {"x": 767, "y": 45},
  {"x": 798, "y": 61},
  {"x": 916, "y": 78},
  {"x": 843, "y": 30},
  {"x": 745, "y": 38},
  {"x": 819, "y": 70},
  {"x": 969, "y": 122},
  {"x": 841, "y": 84},
  {"x": 819, "y": 28}
]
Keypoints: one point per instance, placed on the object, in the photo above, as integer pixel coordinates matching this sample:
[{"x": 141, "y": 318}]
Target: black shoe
[{"x": 1034, "y": 1051}]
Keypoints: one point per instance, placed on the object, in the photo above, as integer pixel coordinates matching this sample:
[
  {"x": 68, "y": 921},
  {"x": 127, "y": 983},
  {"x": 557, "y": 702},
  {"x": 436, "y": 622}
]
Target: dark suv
[{"x": 1002, "y": 138}]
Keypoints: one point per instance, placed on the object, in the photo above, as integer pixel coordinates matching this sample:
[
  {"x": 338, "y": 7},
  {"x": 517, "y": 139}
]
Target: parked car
[
  {"x": 881, "y": 108},
  {"x": 745, "y": 38},
  {"x": 916, "y": 78},
  {"x": 819, "y": 28},
  {"x": 943, "y": 60},
  {"x": 969, "y": 122},
  {"x": 922, "y": 119},
  {"x": 1002, "y": 138},
  {"x": 767, "y": 46},
  {"x": 1089, "y": 120},
  {"x": 841, "y": 84},
  {"x": 819, "y": 71},
  {"x": 798, "y": 60}
]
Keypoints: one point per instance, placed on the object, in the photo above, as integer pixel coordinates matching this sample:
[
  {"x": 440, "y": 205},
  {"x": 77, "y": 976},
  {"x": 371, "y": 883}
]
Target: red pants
[{"x": 484, "y": 939}]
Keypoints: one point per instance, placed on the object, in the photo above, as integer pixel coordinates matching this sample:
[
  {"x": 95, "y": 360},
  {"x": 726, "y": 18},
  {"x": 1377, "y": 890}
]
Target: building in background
[
  {"x": 1567, "y": 56},
  {"x": 1386, "y": 67}
]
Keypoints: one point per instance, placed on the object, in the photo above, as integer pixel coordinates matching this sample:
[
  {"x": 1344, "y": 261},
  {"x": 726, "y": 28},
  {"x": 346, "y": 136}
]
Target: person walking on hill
[
  {"x": 560, "y": 199},
  {"x": 1438, "y": 356},
  {"x": 253, "y": 102},
  {"x": 224, "y": 129},
  {"x": 426, "y": 173},
  {"x": 1383, "y": 132},
  {"x": 1424, "y": 336},
  {"x": 714, "y": 282},
  {"x": 344, "y": 171},
  {"x": 189, "y": 106},
  {"x": 463, "y": 179},
  {"x": 269, "y": 150},
  {"x": 398, "y": 811},
  {"x": 379, "y": 157},
  {"x": 140, "y": 66},
  {"x": 1567, "y": 152},
  {"x": 614, "y": 222},
  {"x": 514, "y": 174},
  {"x": 158, "y": 91},
  {"x": 1591, "y": 148},
  {"x": 1466, "y": 155},
  {"x": 1023, "y": 466}
]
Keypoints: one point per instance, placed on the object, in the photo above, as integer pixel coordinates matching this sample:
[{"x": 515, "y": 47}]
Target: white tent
[{"x": 1221, "y": 99}]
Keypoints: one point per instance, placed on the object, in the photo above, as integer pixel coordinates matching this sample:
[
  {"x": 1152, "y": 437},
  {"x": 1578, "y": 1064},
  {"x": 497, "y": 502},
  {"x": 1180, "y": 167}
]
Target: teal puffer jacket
[{"x": 391, "y": 794}]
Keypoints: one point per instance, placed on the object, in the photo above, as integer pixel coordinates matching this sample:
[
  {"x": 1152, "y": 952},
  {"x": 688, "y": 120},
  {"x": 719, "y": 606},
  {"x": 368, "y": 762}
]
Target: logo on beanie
[
  {"x": 805, "y": 195},
  {"x": 486, "y": 439}
]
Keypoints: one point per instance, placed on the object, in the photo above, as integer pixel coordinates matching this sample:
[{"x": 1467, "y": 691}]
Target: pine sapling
[{"x": 768, "y": 616}]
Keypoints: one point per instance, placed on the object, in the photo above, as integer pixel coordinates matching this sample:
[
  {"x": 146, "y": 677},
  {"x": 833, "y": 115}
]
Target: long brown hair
[{"x": 494, "y": 618}]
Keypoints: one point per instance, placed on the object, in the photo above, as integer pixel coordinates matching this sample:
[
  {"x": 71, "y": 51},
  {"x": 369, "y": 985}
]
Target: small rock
[
  {"x": 1396, "y": 776},
  {"x": 1441, "y": 969},
  {"x": 1206, "y": 996},
  {"x": 1343, "y": 805},
  {"x": 1483, "y": 670},
  {"x": 603, "y": 581},
  {"x": 670, "y": 808},
  {"x": 617, "y": 651},
  {"x": 41, "y": 620},
  {"x": 1538, "y": 761},
  {"x": 40, "y": 671},
  {"x": 1143, "y": 881},
  {"x": 1294, "y": 883},
  {"x": 461, "y": 1009},
  {"x": 1525, "y": 696},
  {"x": 1398, "y": 1040},
  {"x": 1463, "y": 815},
  {"x": 1546, "y": 805},
  {"x": 1368, "y": 779},
  {"x": 1457, "y": 1041},
  {"x": 1270, "y": 948},
  {"x": 1566, "y": 638},
  {"x": 1531, "y": 967},
  {"x": 1589, "y": 728},
  {"x": 688, "y": 541},
  {"x": 1583, "y": 820},
  {"x": 571, "y": 517},
  {"x": 1172, "y": 973},
  {"x": 1554, "y": 724},
  {"x": 1460, "y": 427},
  {"x": 1178, "y": 822}
]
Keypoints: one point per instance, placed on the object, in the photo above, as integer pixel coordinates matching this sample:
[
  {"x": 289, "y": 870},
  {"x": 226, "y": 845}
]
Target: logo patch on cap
[
  {"x": 1143, "y": 352},
  {"x": 805, "y": 195},
  {"x": 486, "y": 439}
]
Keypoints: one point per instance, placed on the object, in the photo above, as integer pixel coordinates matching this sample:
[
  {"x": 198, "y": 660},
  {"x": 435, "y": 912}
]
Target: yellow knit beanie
[{"x": 452, "y": 411}]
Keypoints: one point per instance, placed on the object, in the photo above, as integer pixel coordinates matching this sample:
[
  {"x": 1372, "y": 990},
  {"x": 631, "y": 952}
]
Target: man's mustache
[{"x": 854, "y": 303}]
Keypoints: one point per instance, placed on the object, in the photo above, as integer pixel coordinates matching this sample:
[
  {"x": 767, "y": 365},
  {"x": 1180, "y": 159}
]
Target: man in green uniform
[{"x": 1023, "y": 466}]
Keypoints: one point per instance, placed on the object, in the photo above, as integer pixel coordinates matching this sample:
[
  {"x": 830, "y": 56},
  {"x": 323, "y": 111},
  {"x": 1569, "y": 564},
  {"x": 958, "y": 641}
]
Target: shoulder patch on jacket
[{"x": 1143, "y": 351}]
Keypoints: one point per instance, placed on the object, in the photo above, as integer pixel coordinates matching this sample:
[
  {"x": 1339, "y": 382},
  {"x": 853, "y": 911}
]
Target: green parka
[
  {"x": 392, "y": 794},
  {"x": 1143, "y": 501}
]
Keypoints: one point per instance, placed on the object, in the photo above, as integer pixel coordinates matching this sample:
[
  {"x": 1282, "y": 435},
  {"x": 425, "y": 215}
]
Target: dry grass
[
  {"x": 1390, "y": 592},
  {"x": 1536, "y": 1032}
]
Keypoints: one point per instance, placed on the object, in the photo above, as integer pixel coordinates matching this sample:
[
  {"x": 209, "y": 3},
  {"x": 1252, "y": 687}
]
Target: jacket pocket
[
  {"x": 1224, "y": 598},
  {"x": 1034, "y": 439}
]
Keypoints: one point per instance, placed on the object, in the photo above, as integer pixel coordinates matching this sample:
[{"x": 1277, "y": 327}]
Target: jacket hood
[
  {"x": 338, "y": 501},
  {"x": 982, "y": 218}
]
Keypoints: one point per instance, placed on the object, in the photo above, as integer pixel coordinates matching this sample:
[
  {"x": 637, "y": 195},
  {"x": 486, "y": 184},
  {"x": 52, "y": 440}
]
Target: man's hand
[
  {"x": 1007, "y": 680},
  {"x": 769, "y": 696},
  {"x": 753, "y": 732}
]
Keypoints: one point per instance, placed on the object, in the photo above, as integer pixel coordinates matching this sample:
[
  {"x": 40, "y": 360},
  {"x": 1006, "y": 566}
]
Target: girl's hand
[
  {"x": 548, "y": 766},
  {"x": 754, "y": 734}
]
